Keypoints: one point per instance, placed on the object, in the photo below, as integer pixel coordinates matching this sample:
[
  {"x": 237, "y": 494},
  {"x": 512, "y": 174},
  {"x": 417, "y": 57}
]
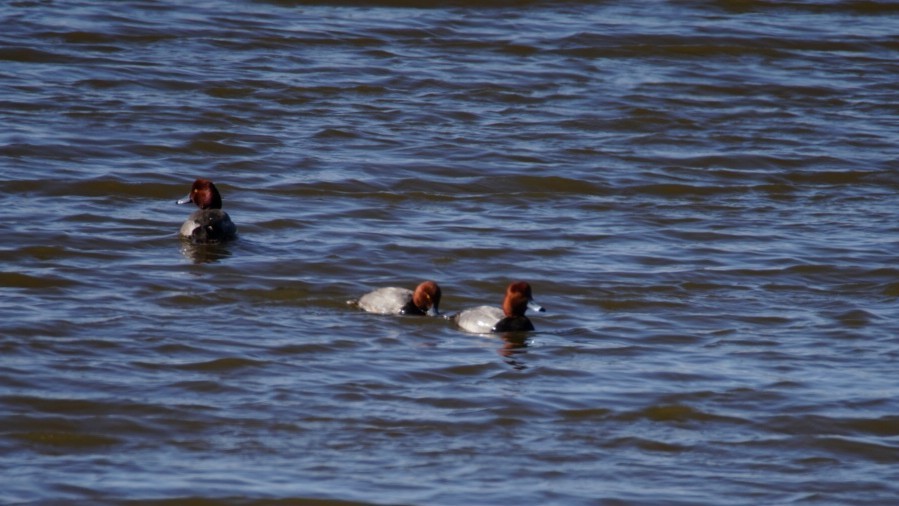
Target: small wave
[
  {"x": 223, "y": 364},
  {"x": 884, "y": 426},
  {"x": 586, "y": 414},
  {"x": 67, "y": 440},
  {"x": 865, "y": 7},
  {"x": 644, "y": 444},
  {"x": 854, "y": 448},
  {"x": 31, "y": 55},
  {"x": 336, "y": 133},
  {"x": 676, "y": 413},
  {"x": 218, "y": 147},
  {"x": 417, "y": 4},
  {"x": 230, "y": 500},
  {"x": 26, "y": 281}
]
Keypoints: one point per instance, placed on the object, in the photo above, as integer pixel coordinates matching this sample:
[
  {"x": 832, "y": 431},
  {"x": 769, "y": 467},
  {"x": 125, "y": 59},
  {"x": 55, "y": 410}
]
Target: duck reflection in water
[
  {"x": 204, "y": 253},
  {"x": 514, "y": 348}
]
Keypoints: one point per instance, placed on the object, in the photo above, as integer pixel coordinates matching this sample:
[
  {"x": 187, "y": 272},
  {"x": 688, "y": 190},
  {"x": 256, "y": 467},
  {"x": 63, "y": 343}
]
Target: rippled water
[{"x": 702, "y": 194}]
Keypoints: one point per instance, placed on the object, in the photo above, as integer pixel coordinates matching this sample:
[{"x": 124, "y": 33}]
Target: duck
[
  {"x": 208, "y": 224},
  {"x": 424, "y": 300},
  {"x": 511, "y": 318}
]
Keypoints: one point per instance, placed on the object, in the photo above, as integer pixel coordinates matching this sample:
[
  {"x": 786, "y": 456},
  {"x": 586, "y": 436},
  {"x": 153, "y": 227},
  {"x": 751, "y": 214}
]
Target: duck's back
[
  {"x": 479, "y": 320},
  {"x": 209, "y": 225},
  {"x": 389, "y": 300}
]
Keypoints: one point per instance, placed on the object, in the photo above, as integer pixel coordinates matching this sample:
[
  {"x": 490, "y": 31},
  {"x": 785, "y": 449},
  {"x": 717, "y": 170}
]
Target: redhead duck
[
  {"x": 511, "y": 318},
  {"x": 209, "y": 223},
  {"x": 425, "y": 300}
]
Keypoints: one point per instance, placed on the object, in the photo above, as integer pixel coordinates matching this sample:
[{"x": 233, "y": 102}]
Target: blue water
[{"x": 702, "y": 195}]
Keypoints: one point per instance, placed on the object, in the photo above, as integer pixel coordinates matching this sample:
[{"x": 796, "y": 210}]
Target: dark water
[{"x": 702, "y": 194}]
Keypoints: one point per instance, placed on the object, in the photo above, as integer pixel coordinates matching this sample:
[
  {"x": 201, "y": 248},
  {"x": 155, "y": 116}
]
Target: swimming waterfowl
[
  {"x": 511, "y": 318},
  {"x": 208, "y": 224},
  {"x": 425, "y": 300}
]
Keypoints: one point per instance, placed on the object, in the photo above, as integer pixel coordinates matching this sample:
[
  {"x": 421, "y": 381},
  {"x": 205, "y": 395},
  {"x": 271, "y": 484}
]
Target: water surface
[{"x": 702, "y": 195}]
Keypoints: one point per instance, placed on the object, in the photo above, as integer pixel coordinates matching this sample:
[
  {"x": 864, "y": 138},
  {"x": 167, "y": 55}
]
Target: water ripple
[{"x": 702, "y": 195}]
